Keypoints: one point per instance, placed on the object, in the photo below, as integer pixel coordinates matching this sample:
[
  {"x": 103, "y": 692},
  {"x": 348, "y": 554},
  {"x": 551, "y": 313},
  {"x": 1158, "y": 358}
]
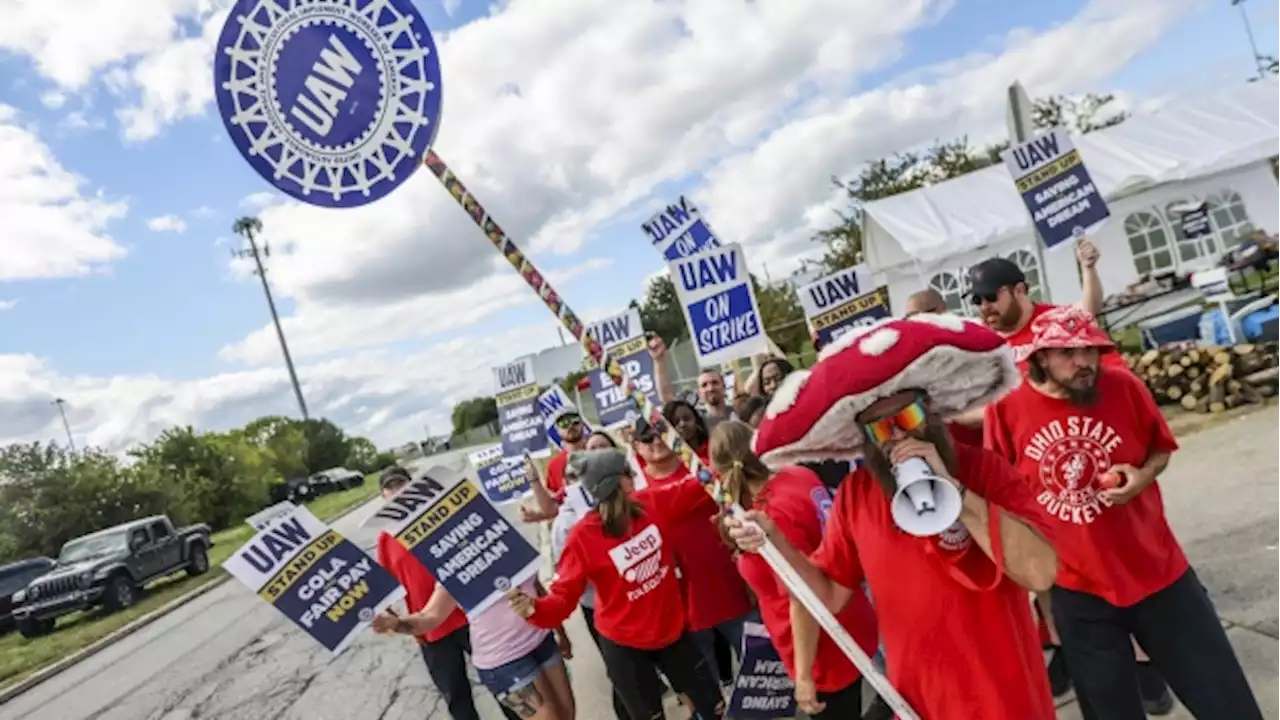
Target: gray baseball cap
[{"x": 599, "y": 471}]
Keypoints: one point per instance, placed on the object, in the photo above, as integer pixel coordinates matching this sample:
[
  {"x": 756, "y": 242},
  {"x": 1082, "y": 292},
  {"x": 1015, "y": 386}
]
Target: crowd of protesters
[{"x": 1060, "y": 547}]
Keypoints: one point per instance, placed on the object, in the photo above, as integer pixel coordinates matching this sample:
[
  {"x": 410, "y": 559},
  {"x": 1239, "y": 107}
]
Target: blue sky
[{"x": 173, "y": 301}]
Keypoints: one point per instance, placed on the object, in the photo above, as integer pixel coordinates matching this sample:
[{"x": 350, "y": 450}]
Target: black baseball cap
[
  {"x": 987, "y": 277},
  {"x": 391, "y": 475},
  {"x": 643, "y": 429}
]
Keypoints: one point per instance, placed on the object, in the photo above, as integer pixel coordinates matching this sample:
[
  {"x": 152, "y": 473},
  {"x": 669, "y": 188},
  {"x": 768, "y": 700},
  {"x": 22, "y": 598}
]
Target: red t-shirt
[
  {"x": 956, "y": 650},
  {"x": 555, "y": 474},
  {"x": 418, "y": 584},
  {"x": 1124, "y": 553},
  {"x": 704, "y": 453},
  {"x": 638, "y": 600},
  {"x": 798, "y": 503},
  {"x": 713, "y": 590},
  {"x": 964, "y": 434},
  {"x": 1020, "y": 341}
]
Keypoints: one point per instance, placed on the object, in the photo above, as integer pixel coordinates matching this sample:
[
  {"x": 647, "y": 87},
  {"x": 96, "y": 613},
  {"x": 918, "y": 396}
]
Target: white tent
[{"x": 1212, "y": 146}]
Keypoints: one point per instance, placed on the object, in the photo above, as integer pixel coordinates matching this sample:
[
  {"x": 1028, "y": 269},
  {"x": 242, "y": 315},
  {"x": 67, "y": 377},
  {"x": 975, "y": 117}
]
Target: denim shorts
[{"x": 520, "y": 672}]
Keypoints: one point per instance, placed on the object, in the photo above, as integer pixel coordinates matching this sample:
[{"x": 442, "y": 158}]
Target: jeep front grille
[{"x": 55, "y": 587}]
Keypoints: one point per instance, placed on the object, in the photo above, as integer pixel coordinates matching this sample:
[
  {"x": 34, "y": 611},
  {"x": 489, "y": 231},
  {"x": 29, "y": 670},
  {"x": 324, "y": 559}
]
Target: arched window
[
  {"x": 948, "y": 286},
  {"x": 1229, "y": 217},
  {"x": 1189, "y": 249},
  {"x": 1026, "y": 262},
  {"x": 1149, "y": 242}
]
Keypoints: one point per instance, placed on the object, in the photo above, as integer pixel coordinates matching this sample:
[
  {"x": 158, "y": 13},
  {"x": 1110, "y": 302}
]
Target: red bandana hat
[{"x": 1068, "y": 327}]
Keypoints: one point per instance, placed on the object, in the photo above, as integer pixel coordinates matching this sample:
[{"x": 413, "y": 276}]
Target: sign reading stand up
[{"x": 334, "y": 102}]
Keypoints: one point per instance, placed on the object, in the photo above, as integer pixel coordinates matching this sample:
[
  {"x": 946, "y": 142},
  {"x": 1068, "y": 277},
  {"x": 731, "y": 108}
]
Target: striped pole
[{"x": 799, "y": 589}]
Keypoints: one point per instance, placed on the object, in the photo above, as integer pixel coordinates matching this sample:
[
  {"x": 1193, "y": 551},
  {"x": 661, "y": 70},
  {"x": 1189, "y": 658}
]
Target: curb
[
  {"x": 57, "y": 666},
  {"x": 48, "y": 671}
]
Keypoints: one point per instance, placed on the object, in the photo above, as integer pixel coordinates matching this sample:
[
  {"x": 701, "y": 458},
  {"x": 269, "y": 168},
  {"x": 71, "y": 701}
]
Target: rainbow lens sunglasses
[{"x": 907, "y": 419}]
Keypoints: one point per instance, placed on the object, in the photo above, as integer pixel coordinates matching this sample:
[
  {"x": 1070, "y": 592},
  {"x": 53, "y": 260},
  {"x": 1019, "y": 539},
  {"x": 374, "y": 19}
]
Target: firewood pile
[{"x": 1208, "y": 378}]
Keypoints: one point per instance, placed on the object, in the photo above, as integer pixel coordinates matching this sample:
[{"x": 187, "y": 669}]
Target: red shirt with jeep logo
[
  {"x": 638, "y": 599},
  {"x": 1124, "y": 553}
]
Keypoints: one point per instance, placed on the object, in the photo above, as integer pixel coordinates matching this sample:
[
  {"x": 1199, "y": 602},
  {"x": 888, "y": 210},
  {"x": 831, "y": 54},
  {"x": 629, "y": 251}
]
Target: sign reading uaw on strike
[
  {"x": 1055, "y": 186},
  {"x": 470, "y": 549},
  {"x": 516, "y": 394},
  {"x": 842, "y": 301},
  {"x": 623, "y": 338},
  {"x": 320, "y": 580},
  {"x": 719, "y": 305},
  {"x": 678, "y": 230}
]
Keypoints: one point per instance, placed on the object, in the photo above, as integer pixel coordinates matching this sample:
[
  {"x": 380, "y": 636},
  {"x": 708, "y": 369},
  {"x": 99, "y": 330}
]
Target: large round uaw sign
[{"x": 333, "y": 101}]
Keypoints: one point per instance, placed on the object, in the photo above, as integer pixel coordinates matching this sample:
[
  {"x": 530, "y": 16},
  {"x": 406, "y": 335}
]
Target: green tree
[
  {"x": 326, "y": 444},
  {"x": 218, "y": 478},
  {"x": 361, "y": 455},
  {"x": 570, "y": 381},
  {"x": 283, "y": 440},
  {"x": 1084, "y": 114},
  {"x": 474, "y": 413},
  {"x": 782, "y": 315},
  {"x": 660, "y": 312}
]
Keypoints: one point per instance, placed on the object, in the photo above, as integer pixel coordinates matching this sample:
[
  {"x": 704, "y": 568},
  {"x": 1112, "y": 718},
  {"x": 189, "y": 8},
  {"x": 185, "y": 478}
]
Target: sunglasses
[
  {"x": 979, "y": 298},
  {"x": 907, "y": 419},
  {"x": 568, "y": 421}
]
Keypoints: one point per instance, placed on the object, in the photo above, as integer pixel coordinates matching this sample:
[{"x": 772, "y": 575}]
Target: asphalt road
[{"x": 229, "y": 656}]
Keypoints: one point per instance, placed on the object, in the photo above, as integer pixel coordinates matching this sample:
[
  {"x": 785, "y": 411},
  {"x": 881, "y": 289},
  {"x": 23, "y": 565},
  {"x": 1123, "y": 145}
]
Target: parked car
[
  {"x": 296, "y": 490},
  {"x": 109, "y": 568},
  {"x": 335, "y": 479},
  {"x": 14, "y": 577}
]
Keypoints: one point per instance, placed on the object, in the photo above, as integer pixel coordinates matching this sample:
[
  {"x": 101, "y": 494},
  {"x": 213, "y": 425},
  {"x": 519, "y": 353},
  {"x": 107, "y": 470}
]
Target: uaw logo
[
  {"x": 335, "y": 102},
  {"x": 502, "y": 584},
  {"x": 1070, "y": 455}
]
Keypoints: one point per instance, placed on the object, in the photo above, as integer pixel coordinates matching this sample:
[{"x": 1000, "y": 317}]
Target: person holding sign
[
  {"x": 1091, "y": 442},
  {"x": 952, "y": 604},
  {"x": 827, "y": 684},
  {"x": 446, "y": 647},
  {"x": 622, "y": 549}
]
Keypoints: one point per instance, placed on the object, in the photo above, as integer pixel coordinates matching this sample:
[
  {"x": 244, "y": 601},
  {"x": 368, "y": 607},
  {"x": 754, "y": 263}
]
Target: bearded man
[
  {"x": 959, "y": 640},
  {"x": 1091, "y": 442}
]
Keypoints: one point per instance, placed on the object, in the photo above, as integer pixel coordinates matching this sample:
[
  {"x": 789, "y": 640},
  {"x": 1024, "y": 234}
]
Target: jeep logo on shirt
[{"x": 630, "y": 554}]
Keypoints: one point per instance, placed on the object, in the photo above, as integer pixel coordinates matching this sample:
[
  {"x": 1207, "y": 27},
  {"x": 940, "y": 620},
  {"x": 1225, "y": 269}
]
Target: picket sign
[
  {"x": 519, "y": 417},
  {"x": 790, "y": 578},
  {"x": 1055, "y": 186}
]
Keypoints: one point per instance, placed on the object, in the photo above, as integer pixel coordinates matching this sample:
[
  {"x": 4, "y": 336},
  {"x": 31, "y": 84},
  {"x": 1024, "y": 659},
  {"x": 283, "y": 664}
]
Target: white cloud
[
  {"x": 53, "y": 99},
  {"x": 51, "y": 228},
  {"x": 451, "y": 6},
  {"x": 8, "y": 305},
  {"x": 204, "y": 211},
  {"x": 167, "y": 223}
]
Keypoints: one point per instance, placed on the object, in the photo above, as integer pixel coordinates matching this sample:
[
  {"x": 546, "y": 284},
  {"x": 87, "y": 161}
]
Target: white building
[{"x": 1213, "y": 147}]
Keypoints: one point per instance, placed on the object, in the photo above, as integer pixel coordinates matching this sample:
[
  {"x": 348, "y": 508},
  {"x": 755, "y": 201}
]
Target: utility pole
[
  {"x": 248, "y": 227},
  {"x": 66, "y": 425},
  {"x": 1253, "y": 43}
]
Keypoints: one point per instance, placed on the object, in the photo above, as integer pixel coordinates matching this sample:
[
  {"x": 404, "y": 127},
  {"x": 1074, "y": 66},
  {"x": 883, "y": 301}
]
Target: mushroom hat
[{"x": 959, "y": 364}]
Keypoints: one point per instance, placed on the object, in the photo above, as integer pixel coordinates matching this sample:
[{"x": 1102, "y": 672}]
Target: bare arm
[
  {"x": 661, "y": 376},
  {"x": 544, "y": 506},
  {"x": 804, "y": 638},
  {"x": 1090, "y": 283},
  {"x": 748, "y": 539},
  {"x": 438, "y": 608},
  {"x": 1029, "y": 559}
]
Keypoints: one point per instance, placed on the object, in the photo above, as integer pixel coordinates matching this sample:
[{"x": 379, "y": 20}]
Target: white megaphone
[{"x": 924, "y": 504}]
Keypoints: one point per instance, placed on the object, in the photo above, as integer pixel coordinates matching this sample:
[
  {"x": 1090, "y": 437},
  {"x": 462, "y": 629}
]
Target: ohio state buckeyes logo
[
  {"x": 1071, "y": 454},
  {"x": 954, "y": 538}
]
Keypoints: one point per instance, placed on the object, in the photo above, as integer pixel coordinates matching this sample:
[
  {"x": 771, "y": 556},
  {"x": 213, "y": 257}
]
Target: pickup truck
[{"x": 108, "y": 568}]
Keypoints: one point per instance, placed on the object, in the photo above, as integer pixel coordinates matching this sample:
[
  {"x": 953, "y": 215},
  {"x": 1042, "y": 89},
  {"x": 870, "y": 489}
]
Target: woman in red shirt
[
  {"x": 716, "y": 599},
  {"x": 798, "y": 504},
  {"x": 623, "y": 550}
]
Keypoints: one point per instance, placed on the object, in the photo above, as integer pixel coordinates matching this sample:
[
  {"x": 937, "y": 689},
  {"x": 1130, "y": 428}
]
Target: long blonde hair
[{"x": 735, "y": 462}]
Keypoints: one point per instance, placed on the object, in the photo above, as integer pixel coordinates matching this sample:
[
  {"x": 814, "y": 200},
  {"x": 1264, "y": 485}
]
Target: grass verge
[{"x": 20, "y": 657}]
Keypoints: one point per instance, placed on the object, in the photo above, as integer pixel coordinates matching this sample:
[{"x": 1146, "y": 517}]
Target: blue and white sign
[
  {"x": 553, "y": 404},
  {"x": 516, "y": 393},
  {"x": 503, "y": 479},
  {"x": 320, "y": 580},
  {"x": 461, "y": 538},
  {"x": 623, "y": 337},
  {"x": 840, "y": 301},
  {"x": 719, "y": 305},
  {"x": 679, "y": 231},
  {"x": 762, "y": 690},
  {"x": 1056, "y": 187},
  {"x": 334, "y": 102}
]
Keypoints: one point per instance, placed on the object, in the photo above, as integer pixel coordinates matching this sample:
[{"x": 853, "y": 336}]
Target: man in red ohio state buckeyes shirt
[{"x": 1090, "y": 441}]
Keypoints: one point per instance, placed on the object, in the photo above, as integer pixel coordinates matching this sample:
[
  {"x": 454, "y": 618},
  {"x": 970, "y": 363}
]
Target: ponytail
[
  {"x": 616, "y": 513},
  {"x": 736, "y": 463}
]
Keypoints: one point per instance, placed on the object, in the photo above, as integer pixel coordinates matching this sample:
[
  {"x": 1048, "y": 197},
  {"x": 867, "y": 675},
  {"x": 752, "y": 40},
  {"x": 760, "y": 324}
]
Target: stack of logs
[{"x": 1208, "y": 378}]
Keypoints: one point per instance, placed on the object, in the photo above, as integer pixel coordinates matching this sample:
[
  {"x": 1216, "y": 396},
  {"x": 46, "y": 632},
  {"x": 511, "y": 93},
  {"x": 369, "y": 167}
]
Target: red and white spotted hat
[
  {"x": 959, "y": 363},
  {"x": 1067, "y": 327}
]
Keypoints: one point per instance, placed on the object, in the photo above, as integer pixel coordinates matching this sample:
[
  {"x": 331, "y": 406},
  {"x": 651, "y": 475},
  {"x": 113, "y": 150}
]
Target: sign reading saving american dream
[
  {"x": 1055, "y": 186},
  {"x": 517, "y": 399},
  {"x": 762, "y": 690},
  {"x": 502, "y": 479},
  {"x": 719, "y": 305},
  {"x": 470, "y": 549},
  {"x": 334, "y": 102},
  {"x": 623, "y": 337},
  {"x": 320, "y": 580},
  {"x": 835, "y": 304},
  {"x": 679, "y": 231}
]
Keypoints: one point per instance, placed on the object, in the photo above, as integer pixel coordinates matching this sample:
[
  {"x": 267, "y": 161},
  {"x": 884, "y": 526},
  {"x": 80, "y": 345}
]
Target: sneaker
[
  {"x": 1156, "y": 698},
  {"x": 1059, "y": 679}
]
